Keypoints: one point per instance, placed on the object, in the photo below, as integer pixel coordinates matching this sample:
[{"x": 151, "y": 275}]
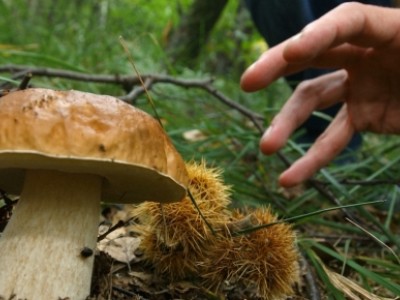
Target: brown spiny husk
[
  {"x": 177, "y": 237},
  {"x": 264, "y": 262},
  {"x": 178, "y": 244}
]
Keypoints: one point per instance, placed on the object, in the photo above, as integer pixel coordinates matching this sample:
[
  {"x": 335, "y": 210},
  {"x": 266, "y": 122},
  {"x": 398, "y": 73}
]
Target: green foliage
[{"x": 83, "y": 36}]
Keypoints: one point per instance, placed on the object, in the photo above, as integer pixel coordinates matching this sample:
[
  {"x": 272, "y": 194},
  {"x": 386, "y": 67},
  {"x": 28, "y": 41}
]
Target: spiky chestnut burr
[
  {"x": 263, "y": 262},
  {"x": 176, "y": 237}
]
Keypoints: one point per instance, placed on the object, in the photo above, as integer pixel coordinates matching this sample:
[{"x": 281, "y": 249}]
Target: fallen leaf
[{"x": 119, "y": 246}]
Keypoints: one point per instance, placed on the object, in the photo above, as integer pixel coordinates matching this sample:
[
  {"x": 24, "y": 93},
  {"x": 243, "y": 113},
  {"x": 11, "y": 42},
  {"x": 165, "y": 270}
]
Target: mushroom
[{"x": 64, "y": 152}]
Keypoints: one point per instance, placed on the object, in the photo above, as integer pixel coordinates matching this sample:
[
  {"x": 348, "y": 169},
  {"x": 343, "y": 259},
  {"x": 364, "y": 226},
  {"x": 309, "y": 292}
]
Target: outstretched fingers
[
  {"x": 310, "y": 95},
  {"x": 325, "y": 149}
]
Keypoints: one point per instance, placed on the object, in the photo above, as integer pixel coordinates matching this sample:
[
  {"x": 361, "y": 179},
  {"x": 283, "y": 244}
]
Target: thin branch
[
  {"x": 257, "y": 119},
  {"x": 128, "y": 81},
  {"x": 25, "y": 81},
  {"x": 19, "y": 72},
  {"x": 311, "y": 282},
  {"x": 138, "y": 90},
  {"x": 119, "y": 224}
]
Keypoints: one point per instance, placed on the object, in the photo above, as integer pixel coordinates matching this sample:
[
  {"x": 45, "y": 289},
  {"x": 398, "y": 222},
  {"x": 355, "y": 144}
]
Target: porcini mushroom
[{"x": 64, "y": 152}]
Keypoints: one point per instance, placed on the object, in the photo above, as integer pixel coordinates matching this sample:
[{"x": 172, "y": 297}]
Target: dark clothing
[{"x": 278, "y": 20}]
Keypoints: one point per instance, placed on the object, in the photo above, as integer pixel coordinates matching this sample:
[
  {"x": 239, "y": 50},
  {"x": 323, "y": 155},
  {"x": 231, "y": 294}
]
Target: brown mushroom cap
[{"x": 79, "y": 132}]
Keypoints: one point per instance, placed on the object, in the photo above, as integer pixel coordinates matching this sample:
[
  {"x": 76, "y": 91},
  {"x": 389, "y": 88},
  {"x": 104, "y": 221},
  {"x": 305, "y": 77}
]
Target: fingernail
[
  {"x": 267, "y": 133},
  {"x": 265, "y": 142},
  {"x": 252, "y": 66},
  {"x": 297, "y": 36}
]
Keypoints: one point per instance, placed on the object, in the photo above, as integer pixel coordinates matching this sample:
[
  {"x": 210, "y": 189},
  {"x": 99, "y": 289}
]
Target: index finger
[
  {"x": 350, "y": 23},
  {"x": 270, "y": 66},
  {"x": 354, "y": 23}
]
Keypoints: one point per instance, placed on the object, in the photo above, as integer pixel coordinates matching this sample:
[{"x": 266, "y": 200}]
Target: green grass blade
[
  {"x": 9, "y": 80},
  {"x": 332, "y": 291},
  {"x": 41, "y": 58}
]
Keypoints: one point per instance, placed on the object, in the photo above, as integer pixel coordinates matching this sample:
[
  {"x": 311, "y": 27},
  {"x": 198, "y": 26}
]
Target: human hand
[{"x": 363, "y": 43}]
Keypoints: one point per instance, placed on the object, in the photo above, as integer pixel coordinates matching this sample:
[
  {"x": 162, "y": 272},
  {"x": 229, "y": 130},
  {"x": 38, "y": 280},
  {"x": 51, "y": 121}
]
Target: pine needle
[
  {"x": 375, "y": 238},
  {"x": 299, "y": 217},
  {"x": 130, "y": 58}
]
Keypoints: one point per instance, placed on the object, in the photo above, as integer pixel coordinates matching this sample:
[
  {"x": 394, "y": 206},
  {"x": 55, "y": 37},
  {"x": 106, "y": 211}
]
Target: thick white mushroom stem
[{"x": 56, "y": 217}]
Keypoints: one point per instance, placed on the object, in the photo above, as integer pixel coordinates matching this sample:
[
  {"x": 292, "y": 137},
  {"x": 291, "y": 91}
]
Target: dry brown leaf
[
  {"x": 350, "y": 288},
  {"x": 120, "y": 246}
]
